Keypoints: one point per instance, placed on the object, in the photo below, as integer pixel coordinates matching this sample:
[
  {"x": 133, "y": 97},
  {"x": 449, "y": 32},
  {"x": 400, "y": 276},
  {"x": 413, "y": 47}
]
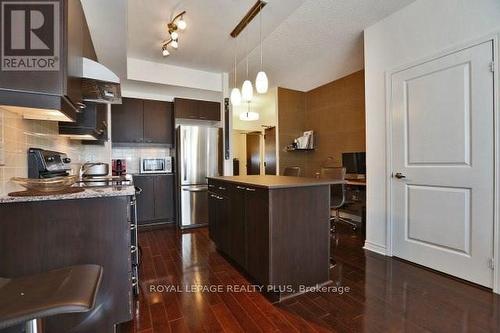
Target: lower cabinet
[
  {"x": 238, "y": 224},
  {"x": 155, "y": 204},
  {"x": 219, "y": 216},
  {"x": 278, "y": 235}
]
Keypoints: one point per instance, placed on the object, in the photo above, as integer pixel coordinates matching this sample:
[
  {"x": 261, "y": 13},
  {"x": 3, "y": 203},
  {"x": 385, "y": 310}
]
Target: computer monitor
[{"x": 355, "y": 163}]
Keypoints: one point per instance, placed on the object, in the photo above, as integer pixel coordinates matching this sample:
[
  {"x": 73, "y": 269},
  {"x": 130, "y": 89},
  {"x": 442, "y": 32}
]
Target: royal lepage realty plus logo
[{"x": 30, "y": 35}]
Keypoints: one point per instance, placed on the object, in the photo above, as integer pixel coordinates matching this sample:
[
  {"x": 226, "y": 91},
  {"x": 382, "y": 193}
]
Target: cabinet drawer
[
  {"x": 220, "y": 188},
  {"x": 262, "y": 193}
]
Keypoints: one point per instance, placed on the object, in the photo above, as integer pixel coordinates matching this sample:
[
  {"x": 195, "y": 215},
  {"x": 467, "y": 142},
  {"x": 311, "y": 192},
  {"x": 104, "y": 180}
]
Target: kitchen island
[
  {"x": 274, "y": 228},
  {"x": 46, "y": 232}
]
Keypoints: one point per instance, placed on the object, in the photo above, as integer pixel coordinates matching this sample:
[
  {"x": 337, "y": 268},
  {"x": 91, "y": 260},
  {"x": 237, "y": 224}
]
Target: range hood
[{"x": 99, "y": 84}]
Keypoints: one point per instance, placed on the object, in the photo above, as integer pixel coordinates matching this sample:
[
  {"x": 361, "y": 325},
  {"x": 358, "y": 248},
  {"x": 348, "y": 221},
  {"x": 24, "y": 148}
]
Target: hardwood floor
[{"x": 385, "y": 294}]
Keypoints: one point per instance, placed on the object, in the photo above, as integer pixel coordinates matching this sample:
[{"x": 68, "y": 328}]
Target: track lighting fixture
[
  {"x": 178, "y": 23},
  {"x": 164, "y": 51}
]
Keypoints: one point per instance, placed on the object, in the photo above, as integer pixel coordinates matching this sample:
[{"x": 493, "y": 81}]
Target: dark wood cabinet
[
  {"x": 127, "y": 121},
  {"x": 146, "y": 199},
  {"x": 257, "y": 233},
  {"x": 196, "y": 109},
  {"x": 209, "y": 110},
  {"x": 278, "y": 235},
  {"x": 158, "y": 122},
  {"x": 186, "y": 108},
  {"x": 164, "y": 197},
  {"x": 155, "y": 204},
  {"x": 92, "y": 121},
  {"x": 57, "y": 87},
  {"x": 73, "y": 232},
  {"x": 219, "y": 213},
  {"x": 238, "y": 224},
  {"x": 140, "y": 121}
]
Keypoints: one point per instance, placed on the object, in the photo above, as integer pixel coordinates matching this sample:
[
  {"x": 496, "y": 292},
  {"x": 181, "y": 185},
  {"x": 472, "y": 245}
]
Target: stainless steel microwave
[{"x": 156, "y": 165}]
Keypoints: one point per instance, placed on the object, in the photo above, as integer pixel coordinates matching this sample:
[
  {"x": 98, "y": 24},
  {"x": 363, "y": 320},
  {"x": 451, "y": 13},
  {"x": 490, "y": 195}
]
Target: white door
[{"x": 442, "y": 143}]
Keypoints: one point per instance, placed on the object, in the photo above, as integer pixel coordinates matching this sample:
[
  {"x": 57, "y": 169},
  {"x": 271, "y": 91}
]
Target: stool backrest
[{"x": 337, "y": 191}]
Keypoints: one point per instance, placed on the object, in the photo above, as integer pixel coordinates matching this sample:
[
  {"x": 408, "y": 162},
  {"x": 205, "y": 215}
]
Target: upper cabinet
[
  {"x": 196, "y": 109},
  {"x": 158, "y": 122},
  {"x": 54, "y": 84},
  {"x": 140, "y": 121}
]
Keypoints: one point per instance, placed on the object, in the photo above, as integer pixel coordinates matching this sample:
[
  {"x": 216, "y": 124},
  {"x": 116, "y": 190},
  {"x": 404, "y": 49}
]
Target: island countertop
[
  {"x": 275, "y": 182},
  {"x": 91, "y": 192}
]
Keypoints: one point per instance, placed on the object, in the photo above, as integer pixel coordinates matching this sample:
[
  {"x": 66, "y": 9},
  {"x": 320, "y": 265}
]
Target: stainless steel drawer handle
[
  {"x": 222, "y": 188},
  {"x": 241, "y": 187},
  {"x": 250, "y": 189}
]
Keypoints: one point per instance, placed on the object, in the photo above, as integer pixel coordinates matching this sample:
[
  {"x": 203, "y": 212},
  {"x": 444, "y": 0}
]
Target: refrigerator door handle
[
  {"x": 184, "y": 159},
  {"x": 196, "y": 189}
]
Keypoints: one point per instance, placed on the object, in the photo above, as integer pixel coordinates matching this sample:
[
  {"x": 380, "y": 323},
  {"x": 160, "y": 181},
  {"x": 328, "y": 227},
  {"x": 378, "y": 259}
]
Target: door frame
[{"x": 495, "y": 38}]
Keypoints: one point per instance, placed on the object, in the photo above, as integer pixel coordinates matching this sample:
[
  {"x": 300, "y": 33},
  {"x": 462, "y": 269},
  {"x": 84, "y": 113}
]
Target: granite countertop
[
  {"x": 272, "y": 182},
  {"x": 91, "y": 192}
]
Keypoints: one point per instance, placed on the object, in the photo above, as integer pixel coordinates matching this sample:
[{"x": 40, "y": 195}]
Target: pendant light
[
  {"x": 261, "y": 81},
  {"x": 249, "y": 115},
  {"x": 235, "y": 92},
  {"x": 247, "y": 88}
]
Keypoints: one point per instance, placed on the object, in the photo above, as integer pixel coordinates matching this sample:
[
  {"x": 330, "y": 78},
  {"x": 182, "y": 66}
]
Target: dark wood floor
[{"x": 386, "y": 295}]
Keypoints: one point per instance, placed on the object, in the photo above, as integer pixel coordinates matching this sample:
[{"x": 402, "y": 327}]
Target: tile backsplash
[
  {"x": 133, "y": 155},
  {"x": 18, "y": 134}
]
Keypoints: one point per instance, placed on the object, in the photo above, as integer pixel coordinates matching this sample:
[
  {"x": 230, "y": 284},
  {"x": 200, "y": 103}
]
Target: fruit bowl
[{"x": 46, "y": 185}]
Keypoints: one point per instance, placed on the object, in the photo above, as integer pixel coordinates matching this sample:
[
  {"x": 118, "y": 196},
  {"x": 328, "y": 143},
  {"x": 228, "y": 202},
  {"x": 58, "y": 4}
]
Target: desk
[{"x": 358, "y": 182}]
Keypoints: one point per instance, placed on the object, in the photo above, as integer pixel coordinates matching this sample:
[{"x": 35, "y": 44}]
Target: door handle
[
  {"x": 399, "y": 175},
  {"x": 196, "y": 189}
]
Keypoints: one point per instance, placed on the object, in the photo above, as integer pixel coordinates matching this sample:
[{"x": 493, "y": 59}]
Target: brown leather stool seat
[{"x": 64, "y": 290}]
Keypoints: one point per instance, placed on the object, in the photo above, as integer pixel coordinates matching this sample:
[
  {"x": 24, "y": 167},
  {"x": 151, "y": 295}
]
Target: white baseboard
[{"x": 377, "y": 248}]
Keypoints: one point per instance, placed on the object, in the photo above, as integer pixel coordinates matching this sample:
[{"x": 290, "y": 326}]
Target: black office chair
[
  {"x": 337, "y": 195},
  {"x": 293, "y": 171}
]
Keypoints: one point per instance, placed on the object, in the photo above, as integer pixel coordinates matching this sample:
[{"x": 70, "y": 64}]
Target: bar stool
[{"x": 28, "y": 299}]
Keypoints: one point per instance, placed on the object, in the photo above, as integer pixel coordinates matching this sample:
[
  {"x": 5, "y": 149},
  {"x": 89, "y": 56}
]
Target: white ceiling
[
  {"x": 320, "y": 41},
  {"x": 307, "y": 42},
  {"x": 206, "y": 43}
]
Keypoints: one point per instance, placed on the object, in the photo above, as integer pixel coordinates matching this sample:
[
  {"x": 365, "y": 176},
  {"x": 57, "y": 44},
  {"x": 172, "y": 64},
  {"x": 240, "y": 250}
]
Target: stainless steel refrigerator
[{"x": 197, "y": 158}]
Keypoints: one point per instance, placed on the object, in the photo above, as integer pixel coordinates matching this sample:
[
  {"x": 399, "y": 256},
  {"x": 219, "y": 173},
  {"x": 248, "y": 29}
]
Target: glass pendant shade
[
  {"x": 235, "y": 97},
  {"x": 247, "y": 91},
  {"x": 182, "y": 24},
  {"x": 249, "y": 116},
  {"x": 261, "y": 83}
]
